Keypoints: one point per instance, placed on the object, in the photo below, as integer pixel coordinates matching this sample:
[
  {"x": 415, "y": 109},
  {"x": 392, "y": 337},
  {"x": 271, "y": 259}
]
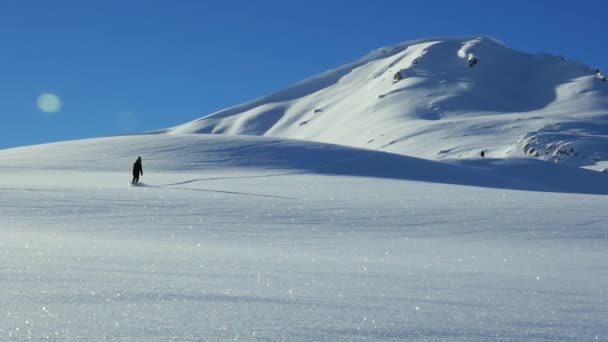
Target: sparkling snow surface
[{"x": 242, "y": 238}]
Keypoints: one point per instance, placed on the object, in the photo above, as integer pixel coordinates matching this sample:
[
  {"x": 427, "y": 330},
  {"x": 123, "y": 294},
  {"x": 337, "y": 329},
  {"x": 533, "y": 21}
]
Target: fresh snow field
[
  {"x": 243, "y": 238},
  {"x": 347, "y": 207}
]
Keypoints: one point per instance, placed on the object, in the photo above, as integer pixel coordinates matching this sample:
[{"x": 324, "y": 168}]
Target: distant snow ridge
[{"x": 439, "y": 98}]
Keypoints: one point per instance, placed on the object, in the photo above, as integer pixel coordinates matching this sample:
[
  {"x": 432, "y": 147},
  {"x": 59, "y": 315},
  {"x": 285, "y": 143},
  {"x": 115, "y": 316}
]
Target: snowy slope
[
  {"x": 360, "y": 212},
  {"x": 511, "y": 104},
  {"x": 255, "y": 238},
  {"x": 194, "y": 152}
]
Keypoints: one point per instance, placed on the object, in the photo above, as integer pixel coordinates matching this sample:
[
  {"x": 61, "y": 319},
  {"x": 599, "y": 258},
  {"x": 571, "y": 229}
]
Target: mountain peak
[{"x": 436, "y": 98}]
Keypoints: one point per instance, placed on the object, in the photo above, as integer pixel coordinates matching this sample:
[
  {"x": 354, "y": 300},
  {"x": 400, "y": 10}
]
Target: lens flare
[{"x": 49, "y": 103}]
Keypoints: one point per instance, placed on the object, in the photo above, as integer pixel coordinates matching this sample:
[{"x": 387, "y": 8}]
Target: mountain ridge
[{"x": 441, "y": 108}]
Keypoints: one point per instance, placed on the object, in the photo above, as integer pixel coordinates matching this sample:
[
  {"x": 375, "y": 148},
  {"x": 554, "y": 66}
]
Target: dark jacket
[{"x": 137, "y": 168}]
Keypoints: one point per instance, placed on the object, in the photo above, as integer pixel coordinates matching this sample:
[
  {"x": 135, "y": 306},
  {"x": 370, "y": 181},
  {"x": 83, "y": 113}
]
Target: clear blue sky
[{"x": 134, "y": 66}]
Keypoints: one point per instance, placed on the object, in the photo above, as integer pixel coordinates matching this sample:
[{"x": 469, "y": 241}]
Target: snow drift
[{"x": 269, "y": 157}]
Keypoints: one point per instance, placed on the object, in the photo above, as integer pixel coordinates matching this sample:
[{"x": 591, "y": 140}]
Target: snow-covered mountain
[
  {"x": 247, "y": 238},
  {"x": 441, "y": 105}
]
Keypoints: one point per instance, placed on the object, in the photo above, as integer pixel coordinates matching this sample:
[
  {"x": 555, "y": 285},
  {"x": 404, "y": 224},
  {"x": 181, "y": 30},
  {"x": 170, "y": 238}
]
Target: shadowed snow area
[{"x": 271, "y": 157}]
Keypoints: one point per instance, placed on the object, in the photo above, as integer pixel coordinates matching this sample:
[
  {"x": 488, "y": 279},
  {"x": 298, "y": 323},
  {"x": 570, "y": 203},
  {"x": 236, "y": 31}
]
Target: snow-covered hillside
[
  {"x": 255, "y": 238},
  {"x": 348, "y": 207},
  {"x": 510, "y": 104},
  {"x": 186, "y": 153}
]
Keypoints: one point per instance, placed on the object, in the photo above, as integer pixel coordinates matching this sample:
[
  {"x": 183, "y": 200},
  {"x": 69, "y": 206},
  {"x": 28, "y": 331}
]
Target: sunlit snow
[{"x": 234, "y": 237}]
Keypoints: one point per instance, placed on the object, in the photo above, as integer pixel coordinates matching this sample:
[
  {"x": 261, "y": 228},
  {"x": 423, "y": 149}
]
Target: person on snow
[
  {"x": 483, "y": 153},
  {"x": 137, "y": 170}
]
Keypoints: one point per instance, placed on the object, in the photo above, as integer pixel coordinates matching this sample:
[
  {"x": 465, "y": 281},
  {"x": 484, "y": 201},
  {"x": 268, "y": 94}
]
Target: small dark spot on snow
[{"x": 303, "y": 123}]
